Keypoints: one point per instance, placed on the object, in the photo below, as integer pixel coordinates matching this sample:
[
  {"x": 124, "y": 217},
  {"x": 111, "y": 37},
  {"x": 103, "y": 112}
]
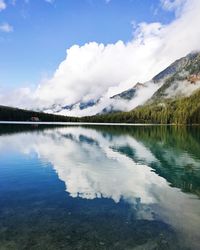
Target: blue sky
[{"x": 38, "y": 32}]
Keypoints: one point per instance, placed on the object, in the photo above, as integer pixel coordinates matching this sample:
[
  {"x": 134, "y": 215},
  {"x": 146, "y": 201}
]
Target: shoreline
[{"x": 92, "y": 123}]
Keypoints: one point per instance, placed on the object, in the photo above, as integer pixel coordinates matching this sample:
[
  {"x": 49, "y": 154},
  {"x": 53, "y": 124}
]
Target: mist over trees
[{"x": 180, "y": 111}]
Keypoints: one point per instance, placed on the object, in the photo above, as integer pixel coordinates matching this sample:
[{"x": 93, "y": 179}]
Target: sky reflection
[{"x": 95, "y": 164}]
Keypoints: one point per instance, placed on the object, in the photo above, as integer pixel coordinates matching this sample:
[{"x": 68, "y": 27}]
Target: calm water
[{"x": 99, "y": 187}]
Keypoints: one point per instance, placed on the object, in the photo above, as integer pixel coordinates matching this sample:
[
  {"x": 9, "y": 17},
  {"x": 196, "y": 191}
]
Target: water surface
[{"x": 84, "y": 187}]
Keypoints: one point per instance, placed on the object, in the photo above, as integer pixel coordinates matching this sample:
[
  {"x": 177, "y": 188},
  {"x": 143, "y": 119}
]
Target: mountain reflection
[
  {"x": 140, "y": 165},
  {"x": 104, "y": 152},
  {"x": 86, "y": 160}
]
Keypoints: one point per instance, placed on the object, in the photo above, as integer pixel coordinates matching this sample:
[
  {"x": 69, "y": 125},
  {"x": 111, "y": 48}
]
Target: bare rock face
[{"x": 194, "y": 78}]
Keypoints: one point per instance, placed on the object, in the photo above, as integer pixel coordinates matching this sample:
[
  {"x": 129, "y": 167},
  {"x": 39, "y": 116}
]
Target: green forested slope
[
  {"x": 180, "y": 111},
  {"x": 15, "y": 114}
]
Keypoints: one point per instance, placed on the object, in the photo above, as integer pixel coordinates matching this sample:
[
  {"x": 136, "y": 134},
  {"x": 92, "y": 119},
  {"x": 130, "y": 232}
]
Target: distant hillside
[
  {"x": 130, "y": 93},
  {"x": 185, "y": 110},
  {"x": 180, "y": 79},
  {"x": 15, "y": 114},
  {"x": 174, "y": 98},
  {"x": 177, "y": 100}
]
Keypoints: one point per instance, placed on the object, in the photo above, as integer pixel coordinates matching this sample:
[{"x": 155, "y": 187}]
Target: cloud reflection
[{"x": 91, "y": 165}]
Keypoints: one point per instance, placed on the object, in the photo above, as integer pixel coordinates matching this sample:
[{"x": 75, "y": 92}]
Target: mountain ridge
[
  {"x": 175, "y": 99},
  {"x": 173, "y": 79}
]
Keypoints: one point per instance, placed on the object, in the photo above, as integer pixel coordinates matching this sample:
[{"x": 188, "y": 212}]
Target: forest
[
  {"x": 180, "y": 111},
  {"x": 15, "y": 114}
]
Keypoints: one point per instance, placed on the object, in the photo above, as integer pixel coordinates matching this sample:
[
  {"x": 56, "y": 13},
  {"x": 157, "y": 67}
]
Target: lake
[{"x": 99, "y": 187}]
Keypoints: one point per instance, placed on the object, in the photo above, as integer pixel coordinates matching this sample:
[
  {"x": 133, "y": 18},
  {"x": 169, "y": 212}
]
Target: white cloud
[
  {"x": 95, "y": 70},
  {"x": 2, "y": 5},
  {"x": 99, "y": 170},
  {"x": 172, "y": 4},
  {"x": 93, "y": 179},
  {"x": 5, "y": 27}
]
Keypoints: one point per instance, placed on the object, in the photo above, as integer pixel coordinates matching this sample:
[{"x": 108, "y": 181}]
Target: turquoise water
[{"x": 84, "y": 187}]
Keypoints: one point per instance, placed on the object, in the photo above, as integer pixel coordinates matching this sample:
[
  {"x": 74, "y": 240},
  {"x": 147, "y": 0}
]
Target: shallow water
[{"x": 84, "y": 187}]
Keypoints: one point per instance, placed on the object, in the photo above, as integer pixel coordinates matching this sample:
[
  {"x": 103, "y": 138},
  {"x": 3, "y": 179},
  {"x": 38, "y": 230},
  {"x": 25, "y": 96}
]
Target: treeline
[
  {"x": 15, "y": 114},
  {"x": 168, "y": 145},
  {"x": 182, "y": 111}
]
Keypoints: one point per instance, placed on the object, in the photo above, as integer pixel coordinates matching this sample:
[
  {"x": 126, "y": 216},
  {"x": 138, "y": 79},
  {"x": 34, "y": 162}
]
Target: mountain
[
  {"x": 130, "y": 93},
  {"x": 80, "y": 105},
  {"x": 118, "y": 101},
  {"x": 185, "y": 110},
  {"x": 172, "y": 96},
  {"x": 101, "y": 105},
  {"x": 177, "y": 100},
  {"x": 180, "y": 79},
  {"x": 174, "y": 67}
]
